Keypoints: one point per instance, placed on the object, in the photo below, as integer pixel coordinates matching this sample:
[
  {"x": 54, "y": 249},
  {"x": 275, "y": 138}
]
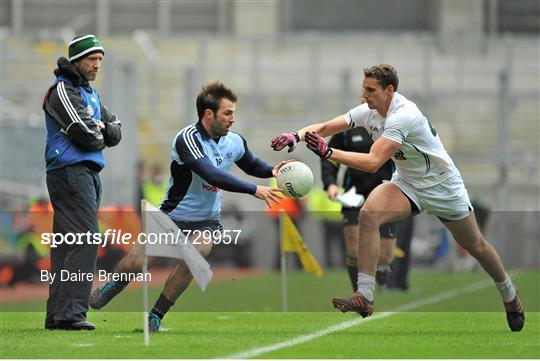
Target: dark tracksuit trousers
[
  {"x": 399, "y": 277},
  {"x": 75, "y": 193}
]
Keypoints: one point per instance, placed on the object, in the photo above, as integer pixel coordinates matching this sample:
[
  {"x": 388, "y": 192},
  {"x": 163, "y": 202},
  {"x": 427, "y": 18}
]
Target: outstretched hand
[
  {"x": 317, "y": 145},
  {"x": 268, "y": 194},
  {"x": 278, "y": 166},
  {"x": 283, "y": 140}
]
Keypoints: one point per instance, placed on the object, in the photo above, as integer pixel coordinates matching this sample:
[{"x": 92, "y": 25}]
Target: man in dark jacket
[{"x": 78, "y": 128}]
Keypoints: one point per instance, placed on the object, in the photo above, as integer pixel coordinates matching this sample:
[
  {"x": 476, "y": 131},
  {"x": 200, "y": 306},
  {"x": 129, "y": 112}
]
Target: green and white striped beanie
[{"x": 84, "y": 45}]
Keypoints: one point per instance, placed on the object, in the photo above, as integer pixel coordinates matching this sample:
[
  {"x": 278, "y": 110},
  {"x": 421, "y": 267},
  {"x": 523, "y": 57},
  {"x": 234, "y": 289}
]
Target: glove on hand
[
  {"x": 285, "y": 139},
  {"x": 318, "y": 145}
]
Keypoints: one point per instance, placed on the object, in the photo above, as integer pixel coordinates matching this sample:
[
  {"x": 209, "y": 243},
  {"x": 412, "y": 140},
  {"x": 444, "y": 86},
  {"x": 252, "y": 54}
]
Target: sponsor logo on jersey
[
  {"x": 210, "y": 188},
  {"x": 399, "y": 155}
]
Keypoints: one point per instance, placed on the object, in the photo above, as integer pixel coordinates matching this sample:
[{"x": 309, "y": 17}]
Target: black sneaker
[
  {"x": 51, "y": 325},
  {"x": 356, "y": 303},
  {"x": 104, "y": 294},
  {"x": 515, "y": 313},
  {"x": 75, "y": 325}
]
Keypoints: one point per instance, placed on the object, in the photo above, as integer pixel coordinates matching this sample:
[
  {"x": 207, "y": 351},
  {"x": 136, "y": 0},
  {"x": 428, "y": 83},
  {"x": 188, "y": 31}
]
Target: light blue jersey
[{"x": 190, "y": 198}]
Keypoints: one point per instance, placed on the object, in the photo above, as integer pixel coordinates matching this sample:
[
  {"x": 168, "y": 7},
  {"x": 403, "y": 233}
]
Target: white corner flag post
[
  {"x": 283, "y": 257},
  {"x": 157, "y": 223},
  {"x": 146, "y": 331}
]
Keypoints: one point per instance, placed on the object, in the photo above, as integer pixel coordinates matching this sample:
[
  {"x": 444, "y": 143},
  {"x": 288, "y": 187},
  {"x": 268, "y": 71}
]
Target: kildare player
[{"x": 426, "y": 179}]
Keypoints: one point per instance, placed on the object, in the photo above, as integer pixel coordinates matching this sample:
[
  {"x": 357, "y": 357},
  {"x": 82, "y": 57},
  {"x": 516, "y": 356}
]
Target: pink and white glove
[
  {"x": 318, "y": 145},
  {"x": 285, "y": 139}
]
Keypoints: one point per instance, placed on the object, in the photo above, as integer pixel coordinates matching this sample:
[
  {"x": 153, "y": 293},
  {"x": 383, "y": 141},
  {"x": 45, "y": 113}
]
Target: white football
[{"x": 295, "y": 179}]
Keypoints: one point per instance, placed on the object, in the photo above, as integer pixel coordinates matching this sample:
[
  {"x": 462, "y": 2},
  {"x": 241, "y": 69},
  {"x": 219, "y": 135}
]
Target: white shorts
[{"x": 448, "y": 199}]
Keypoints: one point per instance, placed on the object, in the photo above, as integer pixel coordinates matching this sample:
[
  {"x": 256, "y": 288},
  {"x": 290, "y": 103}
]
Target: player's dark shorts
[
  {"x": 212, "y": 225},
  {"x": 350, "y": 218}
]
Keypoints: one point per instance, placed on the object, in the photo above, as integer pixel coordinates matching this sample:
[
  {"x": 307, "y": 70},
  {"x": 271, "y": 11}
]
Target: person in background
[
  {"x": 155, "y": 187},
  {"x": 359, "y": 140},
  {"x": 327, "y": 212}
]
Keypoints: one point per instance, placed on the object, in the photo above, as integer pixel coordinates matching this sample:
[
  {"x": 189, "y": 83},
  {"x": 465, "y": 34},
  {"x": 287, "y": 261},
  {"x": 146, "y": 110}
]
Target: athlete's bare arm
[
  {"x": 370, "y": 162},
  {"x": 326, "y": 129}
]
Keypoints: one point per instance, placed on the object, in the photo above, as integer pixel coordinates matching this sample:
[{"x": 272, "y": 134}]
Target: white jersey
[{"x": 421, "y": 160}]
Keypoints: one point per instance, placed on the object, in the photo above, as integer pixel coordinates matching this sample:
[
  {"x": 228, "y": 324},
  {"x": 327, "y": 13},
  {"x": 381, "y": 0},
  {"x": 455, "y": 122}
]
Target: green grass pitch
[{"x": 447, "y": 316}]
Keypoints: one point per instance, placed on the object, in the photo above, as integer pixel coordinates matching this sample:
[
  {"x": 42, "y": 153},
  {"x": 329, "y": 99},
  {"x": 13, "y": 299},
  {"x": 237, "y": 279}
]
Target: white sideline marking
[
  {"x": 347, "y": 324},
  {"x": 83, "y": 345}
]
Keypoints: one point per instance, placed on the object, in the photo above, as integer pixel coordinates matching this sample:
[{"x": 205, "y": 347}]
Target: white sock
[
  {"x": 506, "y": 289},
  {"x": 366, "y": 285}
]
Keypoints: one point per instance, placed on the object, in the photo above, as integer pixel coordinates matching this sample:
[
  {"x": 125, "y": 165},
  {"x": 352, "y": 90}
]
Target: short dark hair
[
  {"x": 210, "y": 96},
  {"x": 386, "y": 75}
]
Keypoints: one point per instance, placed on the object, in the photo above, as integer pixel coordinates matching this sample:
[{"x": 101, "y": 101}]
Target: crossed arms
[{"x": 64, "y": 103}]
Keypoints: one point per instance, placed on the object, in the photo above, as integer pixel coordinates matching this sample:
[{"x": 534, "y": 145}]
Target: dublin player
[{"x": 202, "y": 155}]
